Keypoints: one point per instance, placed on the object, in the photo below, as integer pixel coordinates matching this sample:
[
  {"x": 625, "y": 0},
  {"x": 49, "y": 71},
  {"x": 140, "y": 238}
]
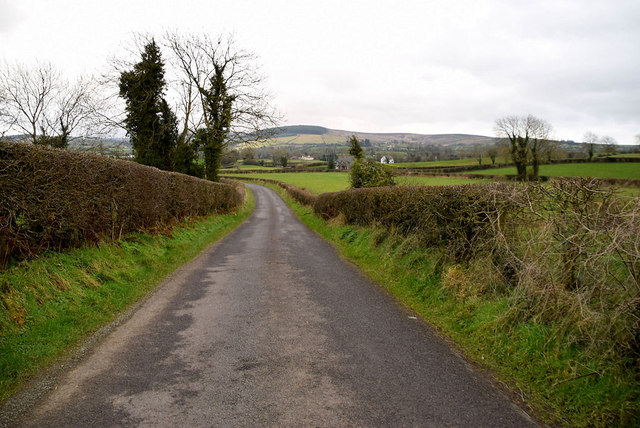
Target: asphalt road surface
[{"x": 269, "y": 327}]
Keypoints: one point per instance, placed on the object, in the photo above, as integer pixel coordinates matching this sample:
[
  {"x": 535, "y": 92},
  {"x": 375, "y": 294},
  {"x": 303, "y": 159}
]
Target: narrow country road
[{"x": 269, "y": 327}]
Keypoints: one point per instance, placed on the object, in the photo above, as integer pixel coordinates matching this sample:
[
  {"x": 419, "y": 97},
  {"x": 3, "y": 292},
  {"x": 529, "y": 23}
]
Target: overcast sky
[{"x": 383, "y": 66}]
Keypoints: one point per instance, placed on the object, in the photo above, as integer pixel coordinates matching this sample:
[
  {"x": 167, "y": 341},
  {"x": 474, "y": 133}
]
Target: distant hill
[{"x": 310, "y": 134}]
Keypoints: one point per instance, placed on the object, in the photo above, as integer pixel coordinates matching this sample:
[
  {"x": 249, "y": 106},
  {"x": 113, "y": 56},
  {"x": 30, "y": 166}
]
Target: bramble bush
[{"x": 576, "y": 255}]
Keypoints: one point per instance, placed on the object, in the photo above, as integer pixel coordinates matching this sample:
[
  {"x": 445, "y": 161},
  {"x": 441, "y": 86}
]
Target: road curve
[{"x": 269, "y": 327}]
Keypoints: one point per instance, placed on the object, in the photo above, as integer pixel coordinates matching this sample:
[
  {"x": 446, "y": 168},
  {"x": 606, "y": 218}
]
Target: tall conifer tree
[{"x": 150, "y": 122}]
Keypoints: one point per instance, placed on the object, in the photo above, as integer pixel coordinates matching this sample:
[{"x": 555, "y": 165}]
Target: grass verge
[
  {"x": 49, "y": 305},
  {"x": 563, "y": 385}
]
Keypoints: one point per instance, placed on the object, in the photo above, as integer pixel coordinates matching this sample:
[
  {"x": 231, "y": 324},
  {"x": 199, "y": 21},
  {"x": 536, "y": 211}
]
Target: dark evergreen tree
[
  {"x": 355, "y": 150},
  {"x": 212, "y": 147},
  {"x": 218, "y": 106},
  {"x": 150, "y": 122},
  {"x": 185, "y": 159}
]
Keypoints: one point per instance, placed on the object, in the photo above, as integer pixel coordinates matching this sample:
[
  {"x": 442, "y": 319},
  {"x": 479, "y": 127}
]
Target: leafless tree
[
  {"x": 38, "y": 102},
  {"x": 492, "y": 153},
  {"x": 591, "y": 140},
  {"x": 199, "y": 58},
  {"x": 5, "y": 118},
  {"x": 527, "y": 137},
  {"x": 27, "y": 94},
  {"x": 609, "y": 144},
  {"x": 220, "y": 90},
  {"x": 478, "y": 151},
  {"x": 77, "y": 110}
]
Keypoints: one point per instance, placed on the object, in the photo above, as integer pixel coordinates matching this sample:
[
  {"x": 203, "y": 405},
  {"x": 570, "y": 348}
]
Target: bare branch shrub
[{"x": 576, "y": 263}]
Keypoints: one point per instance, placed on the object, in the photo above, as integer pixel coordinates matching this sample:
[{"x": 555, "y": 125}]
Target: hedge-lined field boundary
[
  {"x": 300, "y": 195},
  {"x": 272, "y": 171},
  {"x": 54, "y": 199},
  {"x": 458, "y": 217},
  {"x": 626, "y": 182}
]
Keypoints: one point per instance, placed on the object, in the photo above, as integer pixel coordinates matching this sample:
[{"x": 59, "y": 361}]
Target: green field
[
  {"x": 269, "y": 165},
  {"x": 627, "y": 155},
  {"x": 249, "y": 168},
  {"x": 322, "y": 182},
  {"x": 600, "y": 170},
  {"x": 456, "y": 162}
]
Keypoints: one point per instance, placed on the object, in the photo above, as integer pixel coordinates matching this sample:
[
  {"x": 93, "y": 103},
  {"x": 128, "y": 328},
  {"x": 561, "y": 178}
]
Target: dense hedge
[
  {"x": 51, "y": 199},
  {"x": 459, "y": 218}
]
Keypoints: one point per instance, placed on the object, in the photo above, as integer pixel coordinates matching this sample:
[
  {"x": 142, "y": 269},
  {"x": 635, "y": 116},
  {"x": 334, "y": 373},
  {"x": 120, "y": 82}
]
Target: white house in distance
[{"x": 387, "y": 159}]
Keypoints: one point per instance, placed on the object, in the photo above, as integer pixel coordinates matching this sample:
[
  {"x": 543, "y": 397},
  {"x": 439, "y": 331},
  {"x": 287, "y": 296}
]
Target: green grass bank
[
  {"x": 563, "y": 384},
  {"x": 51, "y": 304}
]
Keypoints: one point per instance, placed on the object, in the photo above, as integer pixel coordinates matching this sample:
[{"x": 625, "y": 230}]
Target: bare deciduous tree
[
  {"x": 220, "y": 91},
  {"x": 609, "y": 144},
  {"x": 76, "y": 109},
  {"x": 492, "y": 153},
  {"x": 6, "y": 120},
  {"x": 27, "y": 94},
  {"x": 38, "y": 102},
  {"x": 478, "y": 151},
  {"x": 591, "y": 140},
  {"x": 527, "y": 136}
]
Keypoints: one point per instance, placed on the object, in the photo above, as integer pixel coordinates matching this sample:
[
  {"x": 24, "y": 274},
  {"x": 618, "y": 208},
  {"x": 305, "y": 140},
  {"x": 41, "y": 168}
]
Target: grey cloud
[{"x": 10, "y": 16}]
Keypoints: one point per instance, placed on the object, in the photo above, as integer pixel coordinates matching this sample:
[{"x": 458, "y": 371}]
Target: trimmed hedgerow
[
  {"x": 458, "y": 218},
  {"x": 53, "y": 199}
]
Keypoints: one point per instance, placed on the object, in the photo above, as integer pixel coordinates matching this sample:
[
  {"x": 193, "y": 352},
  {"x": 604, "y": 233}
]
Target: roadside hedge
[
  {"x": 52, "y": 199},
  {"x": 459, "y": 218}
]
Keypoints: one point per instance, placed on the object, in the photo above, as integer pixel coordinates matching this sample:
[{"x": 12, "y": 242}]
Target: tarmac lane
[{"x": 270, "y": 327}]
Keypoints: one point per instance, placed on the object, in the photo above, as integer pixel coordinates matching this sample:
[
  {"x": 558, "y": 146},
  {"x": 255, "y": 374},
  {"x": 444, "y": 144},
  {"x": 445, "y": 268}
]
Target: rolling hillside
[{"x": 309, "y": 134}]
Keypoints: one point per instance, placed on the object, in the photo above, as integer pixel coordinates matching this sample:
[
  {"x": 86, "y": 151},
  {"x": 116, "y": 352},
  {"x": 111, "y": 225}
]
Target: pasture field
[
  {"x": 456, "y": 162},
  {"x": 627, "y": 155},
  {"x": 597, "y": 169},
  {"x": 322, "y": 182},
  {"x": 249, "y": 167},
  {"x": 269, "y": 165}
]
